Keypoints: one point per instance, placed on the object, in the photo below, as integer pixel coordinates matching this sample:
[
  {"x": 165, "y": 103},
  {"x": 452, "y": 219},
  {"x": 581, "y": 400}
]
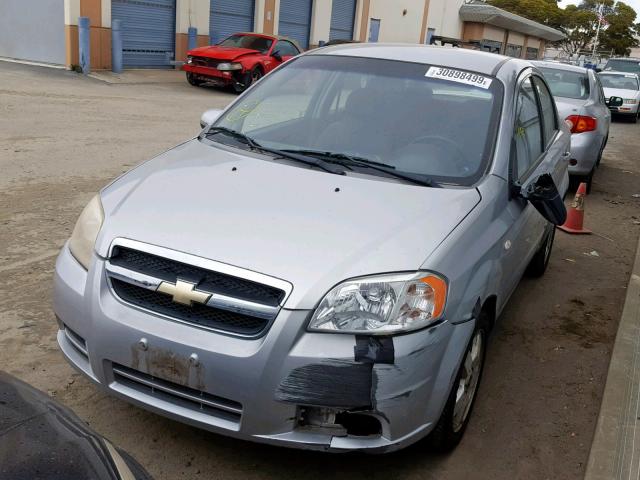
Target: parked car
[
  {"x": 42, "y": 439},
  {"x": 320, "y": 268},
  {"x": 626, "y": 86},
  {"x": 239, "y": 60},
  {"x": 624, "y": 64},
  {"x": 580, "y": 100}
]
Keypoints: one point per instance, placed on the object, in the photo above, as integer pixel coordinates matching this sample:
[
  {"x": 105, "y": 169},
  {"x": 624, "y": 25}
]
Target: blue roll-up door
[
  {"x": 148, "y": 31},
  {"x": 295, "y": 20},
  {"x": 230, "y": 16},
  {"x": 343, "y": 15}
]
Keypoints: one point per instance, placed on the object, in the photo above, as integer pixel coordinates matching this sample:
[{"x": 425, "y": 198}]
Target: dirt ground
[{"x": 63, "y": 136}]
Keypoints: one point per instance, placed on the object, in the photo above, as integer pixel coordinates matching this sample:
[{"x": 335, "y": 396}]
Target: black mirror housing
[
  {"x": 544, "y": 196},
  {"x": 615, "y": 102},
  {"x": 277, "y": 55}
]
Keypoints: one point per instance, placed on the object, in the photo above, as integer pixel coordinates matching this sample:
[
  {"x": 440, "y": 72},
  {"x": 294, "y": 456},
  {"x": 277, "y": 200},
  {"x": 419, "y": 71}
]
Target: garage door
[
  {"x": 148, "y": 31},
  {"x": 295, "y": 20},
  {"x": 230, "y": 16},
  {"x": 343, "y": 13}
]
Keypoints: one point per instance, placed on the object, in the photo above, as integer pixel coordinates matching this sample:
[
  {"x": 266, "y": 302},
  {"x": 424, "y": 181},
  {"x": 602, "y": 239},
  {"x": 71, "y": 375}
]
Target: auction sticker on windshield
[{"x": 453, "y": 75}]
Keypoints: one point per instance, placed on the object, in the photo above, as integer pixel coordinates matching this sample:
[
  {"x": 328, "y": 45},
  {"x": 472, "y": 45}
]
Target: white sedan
[{"x": 626, "y": 86}]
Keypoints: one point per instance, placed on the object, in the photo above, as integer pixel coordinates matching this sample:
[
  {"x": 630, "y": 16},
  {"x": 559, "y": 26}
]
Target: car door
[{"x": 539, "y": 146}]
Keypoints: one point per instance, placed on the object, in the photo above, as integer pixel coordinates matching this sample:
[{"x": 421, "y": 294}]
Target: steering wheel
[{"x": 458, "y": 157}]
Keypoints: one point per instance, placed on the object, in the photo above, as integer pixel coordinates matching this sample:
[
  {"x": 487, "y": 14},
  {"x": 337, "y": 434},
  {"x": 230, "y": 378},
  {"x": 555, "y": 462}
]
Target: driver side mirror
[
  {"x": 544, "y": 196},
  {"x": 276, "y": 55},
  {"x": 209, "y": 117},
  {"x": 615, "y": 102}
]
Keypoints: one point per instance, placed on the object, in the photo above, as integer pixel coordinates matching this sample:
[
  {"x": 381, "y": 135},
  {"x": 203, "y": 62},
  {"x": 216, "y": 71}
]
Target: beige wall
[
  {"x": 516, "y": 38},
  {"x": 443, "y": 17},
  {"x": 394, "y": 25},
  {"x": 320, "y": 21},
  {"x": 192, "y": 13}
]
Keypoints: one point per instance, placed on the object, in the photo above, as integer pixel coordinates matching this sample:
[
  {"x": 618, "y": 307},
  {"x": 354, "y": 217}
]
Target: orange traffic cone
[{"x": 575, "y": 215}]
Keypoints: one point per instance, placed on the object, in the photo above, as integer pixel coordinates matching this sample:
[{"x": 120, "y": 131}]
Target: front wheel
[
  {"x": 248, "y": 79},
  {"x": 454, "y": 419},
  {"x": 538, "y": 264},
  {"x": 193, "y": 80}
]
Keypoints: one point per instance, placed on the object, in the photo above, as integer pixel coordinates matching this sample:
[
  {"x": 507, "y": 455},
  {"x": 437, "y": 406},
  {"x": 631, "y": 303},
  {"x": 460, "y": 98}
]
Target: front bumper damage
[{"x": 294, "y": 388}]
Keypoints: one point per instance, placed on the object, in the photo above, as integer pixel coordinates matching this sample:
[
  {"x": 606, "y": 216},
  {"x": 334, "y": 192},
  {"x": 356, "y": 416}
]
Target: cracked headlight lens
[
  {"x": 83, "y": 238},
  {"x": 382, "y": 304}
]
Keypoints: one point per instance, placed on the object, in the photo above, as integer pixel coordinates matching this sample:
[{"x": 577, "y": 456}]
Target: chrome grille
[{"x": 234, "y": 301}]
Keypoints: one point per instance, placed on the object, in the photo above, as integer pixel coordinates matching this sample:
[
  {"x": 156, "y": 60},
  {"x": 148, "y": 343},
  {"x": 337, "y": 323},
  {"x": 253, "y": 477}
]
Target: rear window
[
  {"x": 564, "y": 83},
  {"x": 630, "y": 66},
  {"x": 625, "y": 82}
]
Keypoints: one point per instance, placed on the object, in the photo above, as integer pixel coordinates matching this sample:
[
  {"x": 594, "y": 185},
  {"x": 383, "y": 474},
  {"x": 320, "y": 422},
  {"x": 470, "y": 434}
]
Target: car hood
[
  {"x": 621, "y": 92},
  {"x": 308, "y": 227},
  {"x": 569, "y": 106},
  {"x": 222, "y": 53}
]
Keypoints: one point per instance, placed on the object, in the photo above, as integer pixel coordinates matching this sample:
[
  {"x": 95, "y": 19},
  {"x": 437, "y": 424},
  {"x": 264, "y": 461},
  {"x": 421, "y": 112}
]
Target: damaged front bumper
[{"x": 290, "y": 387}]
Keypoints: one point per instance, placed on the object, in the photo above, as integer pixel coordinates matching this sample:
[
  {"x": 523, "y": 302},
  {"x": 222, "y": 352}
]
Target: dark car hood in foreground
[
  {"x": 222, "y": 53},
  {"x": 310, "y": 228},
  {"x": 40, "y": 439}
]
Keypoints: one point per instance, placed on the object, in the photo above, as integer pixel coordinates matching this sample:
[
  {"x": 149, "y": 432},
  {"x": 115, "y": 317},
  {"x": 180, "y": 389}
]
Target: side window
[
  {"x": 527, "y": 131},
  {"x": 286, "y": 49},
  {"x": 548, "y": 109}
]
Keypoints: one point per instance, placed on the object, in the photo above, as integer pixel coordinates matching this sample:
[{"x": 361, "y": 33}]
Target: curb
[{"x": 615, "y": 451}]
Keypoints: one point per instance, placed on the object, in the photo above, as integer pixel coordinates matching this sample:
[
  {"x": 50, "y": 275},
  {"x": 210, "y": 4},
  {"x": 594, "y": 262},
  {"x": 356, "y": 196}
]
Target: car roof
[
  {"x": 472, "y": 60},
  {"x": 625, "y": 59},
  {"x": 559, "y": 66}
]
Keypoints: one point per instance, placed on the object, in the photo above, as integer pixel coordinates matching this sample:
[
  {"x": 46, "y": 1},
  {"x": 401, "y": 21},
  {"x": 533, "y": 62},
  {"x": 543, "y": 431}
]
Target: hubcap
[{"x": 468, "y": 384}]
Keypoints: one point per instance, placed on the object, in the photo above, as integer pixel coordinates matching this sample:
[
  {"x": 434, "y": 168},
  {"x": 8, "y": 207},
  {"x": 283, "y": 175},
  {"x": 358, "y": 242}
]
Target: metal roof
[
  {"x": 488, "y": 14},
  {"x": 559, "y": 66}
]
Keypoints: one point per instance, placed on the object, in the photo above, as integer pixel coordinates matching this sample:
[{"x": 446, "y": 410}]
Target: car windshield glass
[
  {"x": 383, "y": 111},
  {"x": 248, "y": 41},
  {"x": 630, "y": 66},
  {"x": 625, "y": 82},
  {"x": 567, "y": 84}
]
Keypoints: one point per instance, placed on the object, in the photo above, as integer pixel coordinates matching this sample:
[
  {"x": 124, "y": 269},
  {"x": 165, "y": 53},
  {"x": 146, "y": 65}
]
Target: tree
[{"x": 620, "y": 33}]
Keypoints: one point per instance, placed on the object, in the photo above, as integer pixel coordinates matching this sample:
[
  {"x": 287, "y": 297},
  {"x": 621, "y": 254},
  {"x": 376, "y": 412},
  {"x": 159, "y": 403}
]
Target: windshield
[
  {"x": 248, "y": 41},
  {"x": 625, "y": 82},
  {"x": 385, "y": 111},
  {"x": 564, "y": 83},
  {"x": 630, "y": 66}
]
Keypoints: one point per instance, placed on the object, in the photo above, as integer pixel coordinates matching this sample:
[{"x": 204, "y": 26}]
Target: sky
[{"x": 634, "y": 3}]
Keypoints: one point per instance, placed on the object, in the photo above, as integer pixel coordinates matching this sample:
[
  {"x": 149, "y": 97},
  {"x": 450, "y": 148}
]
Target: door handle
[{"x": 566, "y": 155}]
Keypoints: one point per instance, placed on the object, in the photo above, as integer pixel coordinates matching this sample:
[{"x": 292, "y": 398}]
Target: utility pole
[{"x": 595, "y": 43}]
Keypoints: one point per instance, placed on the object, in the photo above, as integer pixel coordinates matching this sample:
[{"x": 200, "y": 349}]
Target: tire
[
  {"x": 588, "y": 179},
  {"x": 455, "y": 417},
  {"x": 634, "y": 119},
  {"x": 191, "y": 78},
  {"x": 604, "y": 145},
  {"x": 248, "y": 79},
  {"x": 538, "y": 264}
]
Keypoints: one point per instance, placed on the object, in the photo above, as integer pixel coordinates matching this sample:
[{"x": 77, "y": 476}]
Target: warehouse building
[{"x": 155, "y": 32}]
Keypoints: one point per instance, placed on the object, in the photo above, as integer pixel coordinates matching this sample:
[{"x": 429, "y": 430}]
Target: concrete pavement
[{"x": 615, "y": 453}]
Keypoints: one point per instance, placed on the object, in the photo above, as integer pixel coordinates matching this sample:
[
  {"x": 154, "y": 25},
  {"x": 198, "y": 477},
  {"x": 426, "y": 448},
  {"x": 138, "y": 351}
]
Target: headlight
[
  {"x": 225, "y": 67},
  {"x": 83, "y": 238},
  {"x": 631, "y": 101},
  {"x": 189, "y": 59},
  {"x": 382, "y": 304}
]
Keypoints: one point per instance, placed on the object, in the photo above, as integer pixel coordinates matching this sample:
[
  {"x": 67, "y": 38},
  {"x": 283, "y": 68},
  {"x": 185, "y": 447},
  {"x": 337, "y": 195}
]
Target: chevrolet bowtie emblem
[{"x": 183, "y": 292}]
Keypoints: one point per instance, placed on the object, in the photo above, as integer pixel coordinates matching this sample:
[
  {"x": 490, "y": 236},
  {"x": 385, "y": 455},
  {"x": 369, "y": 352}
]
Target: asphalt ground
[{"x": 64, "y": 136}]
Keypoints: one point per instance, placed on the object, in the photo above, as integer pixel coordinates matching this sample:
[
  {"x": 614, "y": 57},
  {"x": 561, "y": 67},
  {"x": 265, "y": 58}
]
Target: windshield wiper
[
  {"x": 300, "y": 158},
  {"x": 351, "y": 160}
]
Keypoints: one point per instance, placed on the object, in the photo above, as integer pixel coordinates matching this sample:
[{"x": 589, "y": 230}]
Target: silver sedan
[{"x": 581, "y": 100}]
